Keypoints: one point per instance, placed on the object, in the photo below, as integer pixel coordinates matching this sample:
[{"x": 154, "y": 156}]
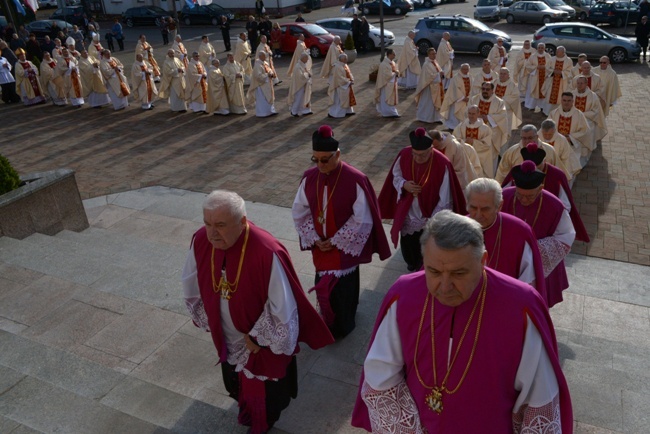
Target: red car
[{"x": 317, "y": 39}]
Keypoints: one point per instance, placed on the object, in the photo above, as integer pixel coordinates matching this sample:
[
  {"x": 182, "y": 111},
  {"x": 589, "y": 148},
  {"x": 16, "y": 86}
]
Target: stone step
[{"x": 41, "y": 387}]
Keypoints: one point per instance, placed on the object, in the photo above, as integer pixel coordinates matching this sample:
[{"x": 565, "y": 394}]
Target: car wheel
[
  {"x": 618, "y": 22},
  {"x": 366, "y": 11},
  {"x": 129, "y": 22},
  {"x": 314, "y": 52},
  {"x": 215, "y": 22},
  {"x": 546, "y": 19},
  {"x": 423, "y": 46},
  {"x": 583, "y": 16},
  {"x": 485, "y": 48},
  {"x": 618, "y": 55},
  {"x": 187, "y": 21},
  {"x": 428, "y": 4},
  {"x": 550, "y": 49},
  {"x": 510, "y": 19},
  {"x": 398, "y": 11}
]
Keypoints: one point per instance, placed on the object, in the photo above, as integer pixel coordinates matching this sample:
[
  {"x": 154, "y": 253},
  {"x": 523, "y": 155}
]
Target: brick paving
[{"x": 263, "y": 159}]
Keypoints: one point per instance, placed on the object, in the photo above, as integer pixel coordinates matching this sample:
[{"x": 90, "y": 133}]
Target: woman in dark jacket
[{"x": 641, "y": 32}]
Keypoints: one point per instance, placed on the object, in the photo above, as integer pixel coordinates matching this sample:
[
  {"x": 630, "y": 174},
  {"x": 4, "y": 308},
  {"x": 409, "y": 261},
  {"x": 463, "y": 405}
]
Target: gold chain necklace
[
  {"x": 434, "y": 399},
  {"x": 497, "y": 246},
  {"x": 224, "y": 287},
  {"x": 321, "y": 212},
  {"x": 425, "y": 176},
  {"x": 539, "y": 208}
]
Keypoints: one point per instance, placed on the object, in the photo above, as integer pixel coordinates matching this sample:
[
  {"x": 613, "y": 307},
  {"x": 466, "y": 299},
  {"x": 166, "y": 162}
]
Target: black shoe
[
  {"x": 295, "y": 116},
  {"x": 330, "y": 116},
  {"x": 350, "y": 114},
  {"x": 307, "y": 114}
]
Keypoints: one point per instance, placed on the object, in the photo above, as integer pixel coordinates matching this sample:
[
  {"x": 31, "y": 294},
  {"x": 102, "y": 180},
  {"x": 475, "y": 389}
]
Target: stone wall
[{"x": 48, "y": 203}]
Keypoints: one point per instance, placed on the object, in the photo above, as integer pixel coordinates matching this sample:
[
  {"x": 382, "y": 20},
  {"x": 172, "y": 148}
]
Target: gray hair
[
  {"x": 343, "y": 56},
  {"x": 451, "y": 231},
  {"x": 529, "y": 127},
  {"x": 225, "y": 199},
  {"x": 484, "y": 186},
  {"x": 548, "y": 124}
]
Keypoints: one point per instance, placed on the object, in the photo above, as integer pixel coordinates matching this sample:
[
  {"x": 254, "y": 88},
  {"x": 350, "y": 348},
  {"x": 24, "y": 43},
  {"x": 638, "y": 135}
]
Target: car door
[
  {"x": 462, "y": 36},
  {"x": 531, "y": 12},
  {"x": 568, "y": 37},
  {"x": 290, "y": 37},
  {"x": 344, "y": 28},
  {"x": 591, "y": 41},
  {"x": 518, "y": 11},
  {"x": 597, "y": 13}
]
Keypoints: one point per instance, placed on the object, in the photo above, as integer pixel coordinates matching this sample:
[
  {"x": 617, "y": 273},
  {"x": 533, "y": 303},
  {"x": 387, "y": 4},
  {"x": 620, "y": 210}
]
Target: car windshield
[
  {"x": 477, "y": 24},
  {"x": 157, "y": 9},
  {"x": 215, "y": 7},
  {"x": 542, "y": 6},
  {"x": 315, "y": 30},
  {"x": 556, "y": 3},
  {"x": 487, "y": 3}
]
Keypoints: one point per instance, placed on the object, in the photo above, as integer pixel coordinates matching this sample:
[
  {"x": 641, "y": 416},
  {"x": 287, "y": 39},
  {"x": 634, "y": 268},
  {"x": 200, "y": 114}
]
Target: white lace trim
[
  {"x": 412, "y": 225},
  {"x": 238, "y": 357},
  {"x": 538, "y": 420},
  {"x": 352, "y": 237},
  {"x": 392, "y": 411},
  {"x": 270, "y": 331},
  {"x": 338, "y": 273},
  {"x": 307, "y": 232},
  {"x": 197, "y": 312},
  {"x": 553, "y": 252}
]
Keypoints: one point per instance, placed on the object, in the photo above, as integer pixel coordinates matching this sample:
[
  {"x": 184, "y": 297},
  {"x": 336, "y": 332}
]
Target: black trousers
[
  {"x": 120, "y": 42},
  {"x": 226, "y": 39},
  {"x": 278, "y": 393},
  {"x": 165, "y": 37},
  {"x": 9, "y": 94},
  {"x": 344, "y": 300},
  {"x": 411, "y": 250}
]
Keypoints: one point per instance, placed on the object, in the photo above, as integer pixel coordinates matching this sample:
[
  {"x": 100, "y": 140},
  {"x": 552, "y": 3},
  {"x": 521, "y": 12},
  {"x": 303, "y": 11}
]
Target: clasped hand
[
  {"x": 412, "y": 187},
  {"x": 250, "y": 345},
  {"x": 324, "y": 245}
]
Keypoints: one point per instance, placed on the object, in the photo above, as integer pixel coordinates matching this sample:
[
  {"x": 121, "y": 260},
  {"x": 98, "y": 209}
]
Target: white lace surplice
[
  {"x": 415, "y": 221},
  {"x": 350, "y": 238},
  {"x": 391, "y": 407},
  {"x": 276, "y": 328},
  {"x": 554, "y": 248}
]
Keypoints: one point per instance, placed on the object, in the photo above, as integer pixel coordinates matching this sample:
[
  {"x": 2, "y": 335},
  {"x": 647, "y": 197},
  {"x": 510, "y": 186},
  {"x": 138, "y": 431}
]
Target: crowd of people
[{"x": 482, "y": 227}]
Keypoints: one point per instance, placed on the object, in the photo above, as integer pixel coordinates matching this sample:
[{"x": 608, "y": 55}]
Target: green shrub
[
  {"x": 348, "y": 44},
  {"x": 9, "y": 179}
]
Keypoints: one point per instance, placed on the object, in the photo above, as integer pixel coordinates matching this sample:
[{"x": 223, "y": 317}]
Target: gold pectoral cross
[
  {"x": 434, "y": 400},
  {"x": 321, "y": 218},
  {"x": 224, "y": 288}
]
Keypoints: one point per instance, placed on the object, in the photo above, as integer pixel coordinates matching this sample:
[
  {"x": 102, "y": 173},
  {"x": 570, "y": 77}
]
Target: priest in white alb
[
  {"x": 520, "y": 74},
  {"x": 233, "y": 74},
  {"x": 572, "y": 124},
  {"x": 386, "y": 92},
  {"x": 586, "y": 101},
  {"x": 206, "y": 51},
  {"x": 297, "y": 53},
  {"x": 454, "y": 106},
  {"x": 144, "y": 88},
  {"x": 217, "y": 95},
  {"x": 92, "y": 81},
  {"x": 243, "y": 56},
  {"x": 261, "y": 91},
  {"x": 340, "y": 91},
  {"x": 475, "y": 133},
  {"x": 558, "y": 73},
  {"x": 299, "y": 99},
  {"x": 445, "y": 57},
  {"x": 536, "y": 67},
  {"x": 52, "y": 80},
  {"x": 498, "y": 55},
  {"x": 611, "y": 88},
  {"x": 333, "y": 55},
  {"x": 430, "y": 92},
  {"x": 485, "y": 74},
  {"x": 409, "y": 63},
  {"x": 68, "y": 68},
  {"x": 146, "y": 50},
  {"x": 507, "y": 90},
  {"x": 116, "y": 83},
  {"x": 197, "y": 85},
  {"x": 548, "y": 134},
  {"x": 492, "y": 110},
  {"x": 173, "y": 84}
]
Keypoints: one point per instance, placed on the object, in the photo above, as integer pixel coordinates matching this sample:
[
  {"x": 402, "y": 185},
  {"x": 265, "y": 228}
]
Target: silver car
[
  {"x": 342, "y": 26},
  {"x": 588, "y": 39},
  {"x": 487, "y": 10},
  {"x": 534, "y": 12}
]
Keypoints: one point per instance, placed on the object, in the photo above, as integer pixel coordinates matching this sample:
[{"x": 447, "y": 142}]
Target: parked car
[
  {"x": 47, "y": 4},
  {"x": 208, "y": 14},
  {"x": 71, "y": 14},
  {"x": 586, "y": 38},
  {"x": 144, "y": 16},
  {"x": 317, "y": 39},
  {"x": 560, "y": 5},
  {"x": 487, "y": 10},
  {"x": 467, "y": 34},
  {"x": 43, "y": 28},
  {"x": 425, "y": 3},
  {"x": 343, "y": 26},
  {"x": 581, "y": 7},
  {"x": 534, "y": 12},
  {"x": 615, "y": 13},
  {"x": 396, "y": 7}
]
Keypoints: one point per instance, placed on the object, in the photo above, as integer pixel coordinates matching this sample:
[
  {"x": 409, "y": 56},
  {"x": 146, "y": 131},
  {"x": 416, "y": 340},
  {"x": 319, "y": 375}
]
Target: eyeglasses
[
  {"x": 603, "y": 63},
  {"x": 323, "y": 160}
]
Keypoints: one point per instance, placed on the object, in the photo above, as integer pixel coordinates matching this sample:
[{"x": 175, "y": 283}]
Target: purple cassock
[
  {"x": 554, "y": 182},
  {"x": 487, "y": 398},
  {"x": 544, "y": 217},
  {"x": 505, "y": 242}
]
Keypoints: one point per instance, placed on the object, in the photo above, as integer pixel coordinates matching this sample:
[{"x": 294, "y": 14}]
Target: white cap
[{"x": 69, "y": 41}]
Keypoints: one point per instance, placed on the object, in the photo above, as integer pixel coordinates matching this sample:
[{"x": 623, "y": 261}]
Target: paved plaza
[{"x": 94, "y": 336}]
